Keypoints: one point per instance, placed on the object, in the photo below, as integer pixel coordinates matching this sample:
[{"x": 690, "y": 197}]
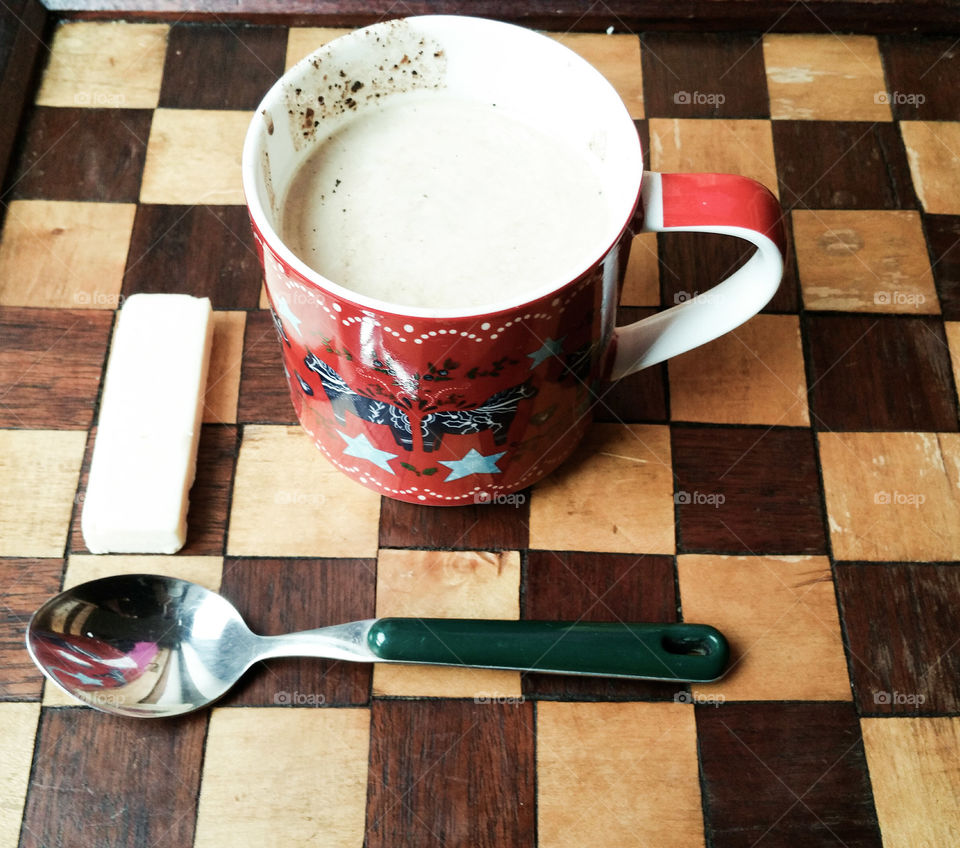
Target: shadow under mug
[{"x": 465, "y": 405}]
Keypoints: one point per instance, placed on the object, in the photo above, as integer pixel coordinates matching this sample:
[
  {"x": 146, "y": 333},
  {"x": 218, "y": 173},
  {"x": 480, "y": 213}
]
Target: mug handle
[{"x": 705, "y": 203}]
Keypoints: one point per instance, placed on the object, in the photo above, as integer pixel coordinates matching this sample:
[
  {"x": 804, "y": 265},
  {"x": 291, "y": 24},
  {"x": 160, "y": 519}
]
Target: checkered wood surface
[{"x": 795, "y": 483}]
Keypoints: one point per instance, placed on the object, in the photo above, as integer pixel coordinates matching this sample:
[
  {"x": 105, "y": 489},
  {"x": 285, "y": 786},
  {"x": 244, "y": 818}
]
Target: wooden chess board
[{"x": 795, "y": 483}]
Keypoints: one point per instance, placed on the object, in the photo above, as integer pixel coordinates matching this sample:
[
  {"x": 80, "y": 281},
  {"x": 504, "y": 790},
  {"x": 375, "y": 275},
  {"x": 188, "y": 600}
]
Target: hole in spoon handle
[{"x": 681, "y": 652}]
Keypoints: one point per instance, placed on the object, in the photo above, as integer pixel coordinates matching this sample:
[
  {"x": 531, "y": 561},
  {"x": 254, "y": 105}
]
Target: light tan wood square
[
  {"x": 289, "y": 501},
  {"x": 617, "y": 774},
  {"x": 205, "y": 570},
  {"x": 447, "y": 584},
  {"x": 952, "y": 329},
  {"x": 56, "y": 253},
  {"x": 892, "y": 496},
  {"x": 280, "y": 776},
  {"x": 915, "y": 779},
  {"x": 302, "y": 41},
  {"x": 769, "y": 608},
  {"x": 19, "y": 723},
  {"x": 615, "y": 494},
  {"x": 193, "y": 156},
  {"x": 933, "y": 151},
  {"x": 752, "y": 375},
  {"x": 715, "y": 145},
  {"x": 641, "y": 283},
  {"x": 40, "y": 470},
  {"x": 223, "y": 378},
  {"x": 825, "y": 77},
  {"x": 105, "y": 65},
  {"x": 864, "y": 261},
  {"x": 617, "y": 57}
]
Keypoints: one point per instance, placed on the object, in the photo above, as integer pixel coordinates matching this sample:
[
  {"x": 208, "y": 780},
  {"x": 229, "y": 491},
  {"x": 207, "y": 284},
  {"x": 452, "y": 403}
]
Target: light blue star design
[
  {"x": 547, "y": 349},
  {"x": 472, "y": 463},
  {"x": 360, "y": 447},
  {"x": 283, "y": 309}
]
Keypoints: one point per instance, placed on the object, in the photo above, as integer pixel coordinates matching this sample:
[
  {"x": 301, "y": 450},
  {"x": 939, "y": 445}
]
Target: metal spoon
[{"x": 149, "y": 646}]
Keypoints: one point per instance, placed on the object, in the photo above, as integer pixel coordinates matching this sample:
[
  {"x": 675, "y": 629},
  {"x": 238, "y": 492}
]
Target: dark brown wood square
[
  {"x": 24, "y": 585},
  {"x": 781, "y": 775},
  {"x": 477, "y": 527},
  {"x": 114, "y": 781},
  {"x": 842, "y": 165},
  {"x": 922, "y": 76},
  {"x": 565, "y": 586},
  {"x": 264, "y": 393},
  {"x": 221, "y": 66},
  {"x": 943, "y": 240},
  {"x": 206, "y": 251},
  {"x": 50, "y": 364},
  {"x": 747, "y": 490},
  {"x": 83, "y": 154},
  {"x": 901, "y": 625},
  {"x": 451, "y": 772},
  {"x": 878, "y": 372},
  {"x": 277, "y": 596},
  {"x": 710, "y": 75}
]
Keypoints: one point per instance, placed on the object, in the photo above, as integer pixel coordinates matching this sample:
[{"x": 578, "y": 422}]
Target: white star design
[
  {"x": 547, "y": 349},
  {"x": 284, "y": 311},
  {"x": 472, "y": 463},
  {"x": 360, "y": 447}
]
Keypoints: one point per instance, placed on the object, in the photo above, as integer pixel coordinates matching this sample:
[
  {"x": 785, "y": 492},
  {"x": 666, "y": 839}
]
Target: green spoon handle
[{"x": 680, "y": 652}]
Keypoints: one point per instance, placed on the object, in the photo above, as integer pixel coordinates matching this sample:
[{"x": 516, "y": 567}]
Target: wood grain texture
[
  {"x": 751, "y": 375},
  {"x": 864, "y": 261},
  {"x": 564, "y": 586},
  {"x": 931, "y": 147},
  {"x": 441, "y": 584},
  {"x": 206, "y": 251},
  {"x": 82, "y": 154},
  {"x": 785, "y": 775},
  {"x": 16, "y": 754},
  {"x": 24, "y": 585},
  {"x": 451, "y": 772},
  {"x": 226, "y": 360},
  {"x": 842, "y": 165},
  {"x": 891, "y": 496},
  {"x": 484, "y": 526},
  {"x": 291, "y": 777},
  {"x": 913, "y": 769},
  {"x": 797, "y": 620},
  {"x": 943, "y": 238},
  {"x": 111, "y": 777},
  {"x": 747, "y": 490},
  {"x": 901, "y": 626},
  {"x": 104, "y": 65},
  {"x": 704, "y": 76},
  {"x": 613, "y": 495},
  {"x": 277, "y": 596},
  {"x": 221, "y": 66},
  {"x": 825, "y": 77},
  {"x": 63, "y": 254},
  {"x": 921, "y": 77},
  {"x": 40, "y": 470},
  {"x": 627, "y": 771},
  {"x": 845, "y": 15},
  {"x": 264, "y": 393},
  {"x": 849, "y": 392},
  {"x": 289, "y": 501},
  {"x": 35, "y": 389}
]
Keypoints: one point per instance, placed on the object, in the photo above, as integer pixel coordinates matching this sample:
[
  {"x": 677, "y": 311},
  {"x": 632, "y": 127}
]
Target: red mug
[{"x": 448, "y": 406}]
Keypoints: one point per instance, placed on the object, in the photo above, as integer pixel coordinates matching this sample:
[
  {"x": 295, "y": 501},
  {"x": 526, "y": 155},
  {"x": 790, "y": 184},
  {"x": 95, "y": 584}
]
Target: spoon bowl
[{"x": 144, "y": 645}]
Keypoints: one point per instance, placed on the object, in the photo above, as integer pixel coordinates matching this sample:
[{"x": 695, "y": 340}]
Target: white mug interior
[{"x": 529, "y": 76}]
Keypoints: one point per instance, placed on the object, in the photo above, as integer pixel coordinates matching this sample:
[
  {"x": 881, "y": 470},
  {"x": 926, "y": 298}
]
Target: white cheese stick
[{"x": 144, "y": 457}]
